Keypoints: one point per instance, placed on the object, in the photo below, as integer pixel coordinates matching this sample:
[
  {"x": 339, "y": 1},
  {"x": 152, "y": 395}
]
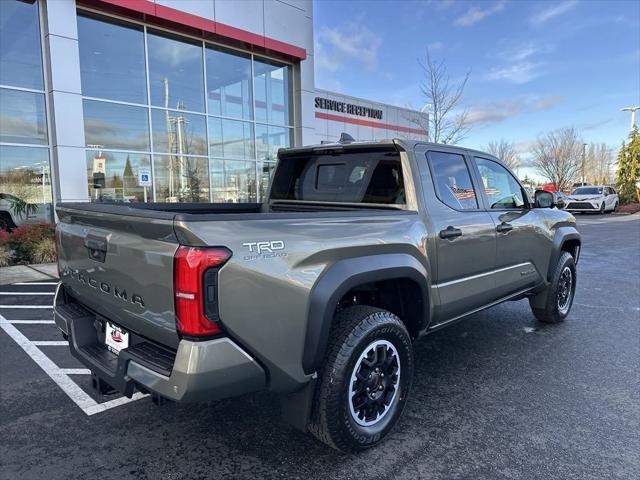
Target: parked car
[
  {"x": 593, "y": 198},
  {"x": 319, "y": 293}
]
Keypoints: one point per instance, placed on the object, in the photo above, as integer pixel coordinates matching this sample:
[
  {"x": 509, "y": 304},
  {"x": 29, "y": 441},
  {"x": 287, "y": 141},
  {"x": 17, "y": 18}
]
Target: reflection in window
[
  {"x": 230, "y": 138},
  {"x": 269, "y": 139},
  {"x": 272, "y": 93},
  {"x": 114, "y": 176},
  {"x": 229, "y": 84},
  {"x": 502, "y": 190},
  {"x": 181, "y": 178},
  {"x": 112, "y": 61},
  {"x": 114, "y": 126},
  {"x": 233, "y": 181},
  {"x": 178, "y": 132},
  {"x": 453, "y": 181},
  {"x": 22, "y": 117},
  {"x": 25, "y": 176},
  {"x": 266, "y": 174},
  {"x": 20, "y": 54},
  {"x": 175, "y": 74}
]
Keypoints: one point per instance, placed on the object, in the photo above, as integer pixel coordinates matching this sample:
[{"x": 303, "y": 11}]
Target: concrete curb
[{"x": 29, "y": 273}]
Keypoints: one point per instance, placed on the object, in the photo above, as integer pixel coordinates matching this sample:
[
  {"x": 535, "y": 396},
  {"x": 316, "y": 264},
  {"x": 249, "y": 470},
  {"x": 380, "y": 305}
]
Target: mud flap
[{"x": 296, "y": 406}]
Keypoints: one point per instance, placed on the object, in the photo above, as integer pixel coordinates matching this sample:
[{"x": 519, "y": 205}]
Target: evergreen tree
[{"x": 628, "y": 173}]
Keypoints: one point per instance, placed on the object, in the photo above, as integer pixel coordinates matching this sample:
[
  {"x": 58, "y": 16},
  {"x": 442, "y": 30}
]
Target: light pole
[
  {"x": 584, "y": 155},
  {"x": 633, "y": 111}
]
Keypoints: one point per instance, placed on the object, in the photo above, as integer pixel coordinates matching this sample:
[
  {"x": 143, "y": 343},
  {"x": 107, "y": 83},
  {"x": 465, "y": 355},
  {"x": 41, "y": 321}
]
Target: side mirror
[
  {"x": 560, "y": 203},
  {"x": 544, "y": 199}
]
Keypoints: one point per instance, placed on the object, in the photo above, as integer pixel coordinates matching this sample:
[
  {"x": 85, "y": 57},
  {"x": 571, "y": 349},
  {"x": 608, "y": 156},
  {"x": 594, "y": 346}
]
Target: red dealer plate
[{"x": 116, "y": 338}]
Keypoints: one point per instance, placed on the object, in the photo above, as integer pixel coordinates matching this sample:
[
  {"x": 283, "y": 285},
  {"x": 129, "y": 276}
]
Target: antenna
[{"x": 346, "y": 138}]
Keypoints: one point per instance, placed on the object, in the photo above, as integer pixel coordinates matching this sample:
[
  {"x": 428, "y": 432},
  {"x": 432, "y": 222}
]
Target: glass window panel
[
  {"x": 272, "y": 93},
  {"x": 178, "y": 132},
  {"x": 112, "y": 60},
  {"x": 266, "y": 170},
  {"x": 20, "y": 54},
  {"x": 501, "y": 189},
  {"x": 25, "y": 175},
  {"x": 229, "y": 88},
  {"x": 233, "y": 181},
  {"x": 175, "y": 74},
  {"x": 269, "y": 139},
  {"x": 22, "y": 117},
  {"x": 453, "y": 181},
  {"x": 181, "y": 178},
  {"x": 115, "y": 126},
  {"x": 114, "y": 176},
  {"x": 230, "y": 139}
]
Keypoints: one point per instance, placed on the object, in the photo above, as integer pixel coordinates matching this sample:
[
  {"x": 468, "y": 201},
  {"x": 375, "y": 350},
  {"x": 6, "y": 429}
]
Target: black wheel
[
  {"x": 602, "y": 211},
  {"x": 559, "y": 297},
  {"x": 615, "y": 207},
  {"x": 363, "y": 386}
]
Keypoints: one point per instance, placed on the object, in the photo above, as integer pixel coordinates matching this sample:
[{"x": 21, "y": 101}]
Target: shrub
[
  {"x": 23, "y": 239},
  {"x": 5, "y": 257},
  {"x": 4, "y": 237},
  {"x": 44, "y": 251}
]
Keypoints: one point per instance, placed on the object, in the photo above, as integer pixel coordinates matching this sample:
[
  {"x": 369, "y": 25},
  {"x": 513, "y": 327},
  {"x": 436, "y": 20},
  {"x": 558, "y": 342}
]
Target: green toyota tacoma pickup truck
[{"x": 318, "y": 293}]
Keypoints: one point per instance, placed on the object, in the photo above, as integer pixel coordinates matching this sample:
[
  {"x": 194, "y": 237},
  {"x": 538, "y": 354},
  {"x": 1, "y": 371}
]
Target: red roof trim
[
  {"x": 369, "y": 123},
  {"x": 171, "y": 17}
]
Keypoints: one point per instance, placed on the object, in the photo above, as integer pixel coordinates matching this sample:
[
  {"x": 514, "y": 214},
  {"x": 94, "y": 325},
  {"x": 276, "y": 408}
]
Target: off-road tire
[
  {"x": 551, "y": 313},
  {"x": 354, "y": 330}
]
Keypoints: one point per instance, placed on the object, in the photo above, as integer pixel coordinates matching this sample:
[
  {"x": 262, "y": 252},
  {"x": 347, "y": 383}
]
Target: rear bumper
[{"x": 199, "y": 371}]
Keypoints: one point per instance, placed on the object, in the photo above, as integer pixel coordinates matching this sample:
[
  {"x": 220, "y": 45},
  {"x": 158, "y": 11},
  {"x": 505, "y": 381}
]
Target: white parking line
[
  {"x": 31, "y": 322},
  {"x": 28, "y": 293},
  {"x": 82, "y": 399},
  {"x": 36, "y": 283},
  {"x": 26, "y": 306},
  {"x": 50, "y": 343}
]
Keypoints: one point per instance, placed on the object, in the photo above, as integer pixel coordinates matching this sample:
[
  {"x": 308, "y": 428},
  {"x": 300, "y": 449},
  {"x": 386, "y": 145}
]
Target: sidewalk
[{"x": 29, "y": 273}]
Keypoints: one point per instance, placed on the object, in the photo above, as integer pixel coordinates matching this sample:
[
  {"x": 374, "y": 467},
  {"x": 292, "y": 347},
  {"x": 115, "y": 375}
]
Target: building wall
[
  {"x": 335, "y": 113},
  {"x": 55, "y": 123}
]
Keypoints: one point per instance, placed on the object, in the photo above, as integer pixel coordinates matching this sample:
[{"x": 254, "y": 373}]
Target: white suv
[{"x": 592, "y": 198}]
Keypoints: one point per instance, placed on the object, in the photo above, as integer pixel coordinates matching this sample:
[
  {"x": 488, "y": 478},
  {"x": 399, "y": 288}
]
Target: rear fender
[{"x": 342, "y": 277}]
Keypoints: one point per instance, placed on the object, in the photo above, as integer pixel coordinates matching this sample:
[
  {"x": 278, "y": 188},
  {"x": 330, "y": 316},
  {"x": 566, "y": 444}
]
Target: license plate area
[{"x": 116, "y": 338}]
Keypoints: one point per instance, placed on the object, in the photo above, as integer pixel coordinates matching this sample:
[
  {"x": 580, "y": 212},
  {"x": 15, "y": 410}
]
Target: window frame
[
  {"x": 203, "y": 43},
  {"x": 479, "y": 203},
  {"x": 478, "y": 179}
]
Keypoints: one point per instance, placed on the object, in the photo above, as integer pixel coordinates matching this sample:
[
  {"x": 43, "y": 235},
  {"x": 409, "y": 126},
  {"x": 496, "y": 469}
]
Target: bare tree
[
  {"x": 505, "y": 151},
  {"x": 597, "y": 162},
  {"x": 557, "y": 156},
  {"x": 442, "y": 98}
]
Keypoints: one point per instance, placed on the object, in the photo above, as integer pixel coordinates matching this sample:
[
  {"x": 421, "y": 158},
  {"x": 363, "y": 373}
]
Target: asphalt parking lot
[{"x": 495, "y": 396}]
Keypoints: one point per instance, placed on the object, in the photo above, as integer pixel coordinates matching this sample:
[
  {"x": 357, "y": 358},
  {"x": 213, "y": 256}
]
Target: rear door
[
  {"x": 521, "y": 244},
  {"x": 121, "y": 266},
  {"x": 464, "y": 233}
]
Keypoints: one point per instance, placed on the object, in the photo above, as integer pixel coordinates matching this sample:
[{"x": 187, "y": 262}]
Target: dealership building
[{"x": 166, "y": 101}]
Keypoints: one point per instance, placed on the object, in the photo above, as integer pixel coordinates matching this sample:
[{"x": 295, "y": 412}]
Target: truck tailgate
[{"x": 119, "y": 263}]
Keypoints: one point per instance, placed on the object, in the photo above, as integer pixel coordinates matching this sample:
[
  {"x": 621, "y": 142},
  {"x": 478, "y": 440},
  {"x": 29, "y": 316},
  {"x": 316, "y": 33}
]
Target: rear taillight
[{"x": 195, "y": 285}]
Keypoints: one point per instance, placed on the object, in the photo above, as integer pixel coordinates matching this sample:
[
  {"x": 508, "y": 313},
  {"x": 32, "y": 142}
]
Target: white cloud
[
  {"x": 553, "y": 11},
  {"x": 476, "y": 14},
  {"x": 495, "y": 112},
  {"x": 523, "y": 51},
  {"x": 433, "y": 46},
  {"x": 355, "y": 43},
  {"x": 521, "y": 72}
]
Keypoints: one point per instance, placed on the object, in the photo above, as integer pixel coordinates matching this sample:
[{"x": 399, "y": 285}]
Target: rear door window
[{"x": 452, "y": 180}]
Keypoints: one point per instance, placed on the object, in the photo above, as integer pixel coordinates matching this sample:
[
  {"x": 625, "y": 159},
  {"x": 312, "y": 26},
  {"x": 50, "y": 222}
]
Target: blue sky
[{"x": 535, "y": 65}]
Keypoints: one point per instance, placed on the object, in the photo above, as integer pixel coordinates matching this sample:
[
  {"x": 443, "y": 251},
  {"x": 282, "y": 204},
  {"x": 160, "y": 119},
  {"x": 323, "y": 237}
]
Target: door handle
[
  {"x": 450, "y": 232},
  {"x": 96, "y": 247},
  {"x": 504, "y": 227}
]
